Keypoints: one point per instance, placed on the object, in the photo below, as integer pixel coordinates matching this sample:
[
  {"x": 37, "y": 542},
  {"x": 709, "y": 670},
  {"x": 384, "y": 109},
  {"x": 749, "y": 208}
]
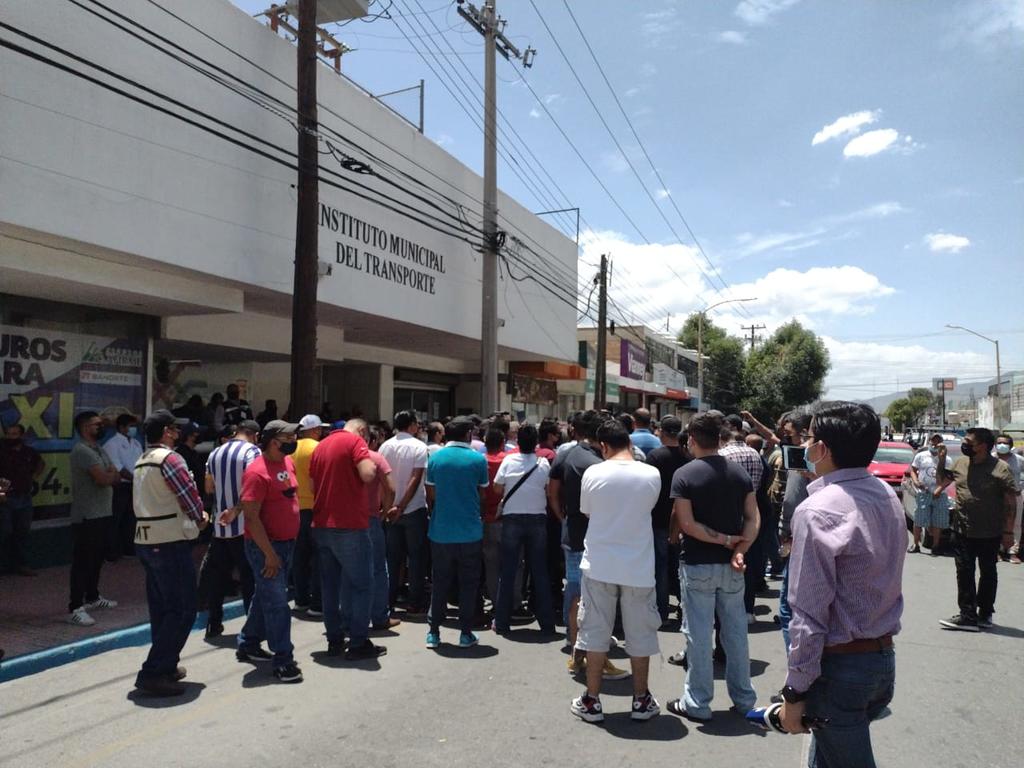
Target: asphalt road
[{"x": 958, "y": 703}]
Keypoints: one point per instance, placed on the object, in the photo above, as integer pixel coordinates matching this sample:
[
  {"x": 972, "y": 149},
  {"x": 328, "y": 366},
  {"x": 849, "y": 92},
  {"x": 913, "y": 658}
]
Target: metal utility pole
[
  {"x": 998, "y": 410},
  {"x": 487, "y": 22},
  {"x": 601, "y": 372},
  {"x": 753, "y": 328},
  {"x": 304, "y": 316},
  {"x": 701, "y": 406}
]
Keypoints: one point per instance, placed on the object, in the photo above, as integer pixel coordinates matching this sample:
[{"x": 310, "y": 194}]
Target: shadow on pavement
[
  {"x": 996, "y": 629},
  {"x": 757, "y": 668},
  {"x": 730, "y": 723},
  {"x": 453, "y": 651},
  {"x": 763, "y": 626},
  {"x": 339, "y": 662},
  {"x": 149, "y": 701},
  {"x": 532, "y": 635},
  {"x": 660, "y": 728}
]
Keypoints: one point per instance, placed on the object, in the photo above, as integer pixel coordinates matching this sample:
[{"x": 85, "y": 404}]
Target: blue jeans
[
  {"x": 449, "y": 560},
  {"x": 380, "y": 609},
  {"x": 661, "y": 585},
  {"x": 707, "y": 590},
  {"x": 852, "y": 691},
  {"x": 572, "y": 582},
  {"x": 529, "y": 533},
  {"x": 407, "y": 539},
  {"x": 171, "y": 595},
  {"x": 346, "y": 577},
  {"x": 269, "y": 617},
  {"x": 305, "y": 568},
  {"x": 785, "y": 614}
]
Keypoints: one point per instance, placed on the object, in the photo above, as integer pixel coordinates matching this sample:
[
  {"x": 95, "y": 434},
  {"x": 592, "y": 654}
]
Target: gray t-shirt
[{"x": 88, "y": 500}]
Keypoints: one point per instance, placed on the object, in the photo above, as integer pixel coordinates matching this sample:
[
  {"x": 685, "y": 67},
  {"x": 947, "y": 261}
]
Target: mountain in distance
[{"x": 956, "y": 398}]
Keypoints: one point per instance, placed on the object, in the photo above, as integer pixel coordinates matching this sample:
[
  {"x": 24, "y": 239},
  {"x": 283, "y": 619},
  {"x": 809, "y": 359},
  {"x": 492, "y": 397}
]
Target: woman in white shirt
[{"x": 522, "y": 481}]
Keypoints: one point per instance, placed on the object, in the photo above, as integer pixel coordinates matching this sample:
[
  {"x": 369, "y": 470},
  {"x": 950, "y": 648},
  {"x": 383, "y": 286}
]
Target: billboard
[
  {"x": 46, "y": 377},
  {"x": 632, "y": 360}
]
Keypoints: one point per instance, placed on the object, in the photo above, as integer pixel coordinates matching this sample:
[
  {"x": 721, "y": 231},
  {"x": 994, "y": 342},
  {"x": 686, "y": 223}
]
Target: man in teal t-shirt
[{"x": 456, "y": 481}]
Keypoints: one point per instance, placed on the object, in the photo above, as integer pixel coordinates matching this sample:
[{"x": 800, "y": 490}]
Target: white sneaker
[
  {"x": 79, "y": 617},
  {"x": 101, "y": 602}
]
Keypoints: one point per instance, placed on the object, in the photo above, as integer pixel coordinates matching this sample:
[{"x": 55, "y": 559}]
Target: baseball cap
[
  {"x": 310, "y": 421},
  {"x": 278, "y": 427},
  {"x": 249, "y": 426},
  {"x": 164, "y": 418},
  {"x": 671, "y": 425}
]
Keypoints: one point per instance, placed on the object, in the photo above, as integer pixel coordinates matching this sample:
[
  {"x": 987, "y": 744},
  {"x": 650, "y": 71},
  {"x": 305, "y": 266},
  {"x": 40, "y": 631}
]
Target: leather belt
[{"x": 861, "y": 646}]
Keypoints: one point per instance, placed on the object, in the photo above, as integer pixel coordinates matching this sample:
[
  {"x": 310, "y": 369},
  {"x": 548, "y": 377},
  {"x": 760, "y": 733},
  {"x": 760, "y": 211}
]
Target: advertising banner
[
  {"x": 632, "y": 360},
  {"x": 46, "y": 377}
]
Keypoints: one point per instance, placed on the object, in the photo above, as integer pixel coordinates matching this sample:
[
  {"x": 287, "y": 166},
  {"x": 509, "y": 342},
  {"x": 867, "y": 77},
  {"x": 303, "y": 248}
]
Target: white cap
[{"x": 310, "y": 421}]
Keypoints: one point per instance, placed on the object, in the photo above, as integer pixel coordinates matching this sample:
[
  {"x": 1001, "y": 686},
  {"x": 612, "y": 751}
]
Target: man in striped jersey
[{"x": 224, "y": 469}]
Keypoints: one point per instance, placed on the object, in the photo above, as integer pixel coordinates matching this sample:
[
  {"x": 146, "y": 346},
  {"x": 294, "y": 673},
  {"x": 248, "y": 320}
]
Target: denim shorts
[
  {"x": 599, "y": 602},
  {"x": 931, "y": 512},
  {"x": 573, "y": 574}
]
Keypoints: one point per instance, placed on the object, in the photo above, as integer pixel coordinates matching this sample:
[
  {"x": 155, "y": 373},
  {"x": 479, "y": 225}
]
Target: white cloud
[
  {"x": 943, "y": 242},
  {"x": 861, "y": 370},
  {"x": 990, "y": 23},
  {"x": 752, "y": 245},
  {"x": 551, "y": 98},
  {"x": 631, "y": 92},
  {"x": 444, "y": 140},
  {"x": 614, "y": 162},
  {"x": 534, "y": 113},
  {"x": 871, "y": 143},
  {"x": 847, "y": 124},
  {"x": 732, "y": 37},
  {"x": 758, "y": 12},
  {"x": 661, "y": 194},
  {"x": 647, "y": 69},
  {"x": 784, "y": 203},
  {"x": 876, "y": 211}
]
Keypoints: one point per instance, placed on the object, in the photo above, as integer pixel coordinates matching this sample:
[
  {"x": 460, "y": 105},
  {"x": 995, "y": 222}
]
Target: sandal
[{"x": 913, "y": 548}]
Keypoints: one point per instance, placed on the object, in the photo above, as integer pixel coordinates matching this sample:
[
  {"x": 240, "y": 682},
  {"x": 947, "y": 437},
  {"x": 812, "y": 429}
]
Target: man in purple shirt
[{"x": 845, "y": 575}]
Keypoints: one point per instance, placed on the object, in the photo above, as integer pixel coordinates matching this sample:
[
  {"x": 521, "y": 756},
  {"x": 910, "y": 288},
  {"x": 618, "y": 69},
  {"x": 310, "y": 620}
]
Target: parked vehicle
[{"x": 891, "y": 463}]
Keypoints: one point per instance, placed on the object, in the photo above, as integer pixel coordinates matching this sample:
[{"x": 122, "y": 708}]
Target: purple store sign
[{"x": 632, "y": 360}]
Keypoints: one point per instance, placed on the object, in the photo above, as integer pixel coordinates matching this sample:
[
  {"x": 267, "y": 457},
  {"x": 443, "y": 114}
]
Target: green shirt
[
  {"x": 981, "y": 490},
  {"x": 89, "y": 501}
]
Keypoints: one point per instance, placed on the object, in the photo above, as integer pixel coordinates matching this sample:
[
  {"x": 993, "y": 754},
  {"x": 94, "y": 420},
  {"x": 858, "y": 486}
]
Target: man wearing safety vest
[{"x": 169, "y": 514}]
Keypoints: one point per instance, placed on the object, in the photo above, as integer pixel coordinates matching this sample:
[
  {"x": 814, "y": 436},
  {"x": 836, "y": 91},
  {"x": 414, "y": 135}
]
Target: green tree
[
  {"x": 789, "y": 369},
  {"x": 907, "y": 411},
  {"x": 723, "y": 368}
]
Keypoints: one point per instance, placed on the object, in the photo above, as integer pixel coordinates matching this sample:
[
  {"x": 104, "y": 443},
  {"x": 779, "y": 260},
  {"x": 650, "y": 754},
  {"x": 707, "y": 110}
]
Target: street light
[
  {"x": 999, "y": 373},
  {"x": 700, "y": 348}
]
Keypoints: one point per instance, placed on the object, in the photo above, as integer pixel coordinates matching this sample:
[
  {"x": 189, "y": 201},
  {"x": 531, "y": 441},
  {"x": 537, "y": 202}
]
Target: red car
[{"x": 891, "y": 463}]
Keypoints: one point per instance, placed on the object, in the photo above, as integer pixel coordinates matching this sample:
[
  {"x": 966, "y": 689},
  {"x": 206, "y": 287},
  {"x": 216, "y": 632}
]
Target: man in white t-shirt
[
  {"x": 522, "y": 481},
  {"x": 932, "y": 510},
  {"x": 618, "y": 569},
  {"x": 407, "y": 534}
]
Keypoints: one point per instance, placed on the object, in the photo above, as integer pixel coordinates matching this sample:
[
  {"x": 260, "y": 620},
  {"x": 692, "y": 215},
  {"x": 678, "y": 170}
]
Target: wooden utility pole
[
  {"x": 304, "y": 316},
  {"x": 601, "y": 372},
  {"x": 753, "y": 329}
]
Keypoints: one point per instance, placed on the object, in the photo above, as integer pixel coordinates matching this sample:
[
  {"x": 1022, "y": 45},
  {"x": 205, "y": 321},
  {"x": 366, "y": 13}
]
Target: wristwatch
[{"x": 791, "y": 695}]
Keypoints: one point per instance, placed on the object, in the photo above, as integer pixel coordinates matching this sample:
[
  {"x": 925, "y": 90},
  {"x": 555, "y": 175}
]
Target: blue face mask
[
  {"x": 133, "y": 432},
  {"x": 1002, "y": 448},
  {"x": 932, "y": 450},
  {"x": 807, "y": 460}
]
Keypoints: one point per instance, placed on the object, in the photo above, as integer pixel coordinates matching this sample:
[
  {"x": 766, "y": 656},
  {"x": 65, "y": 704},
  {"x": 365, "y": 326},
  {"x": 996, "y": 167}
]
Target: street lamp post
[
  {"x": 999, "y": 373},
  {"x": 700, "y": 349}
]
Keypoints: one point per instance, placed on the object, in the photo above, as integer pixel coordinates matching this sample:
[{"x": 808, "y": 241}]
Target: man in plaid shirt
[{"x": 169, "y": 513}]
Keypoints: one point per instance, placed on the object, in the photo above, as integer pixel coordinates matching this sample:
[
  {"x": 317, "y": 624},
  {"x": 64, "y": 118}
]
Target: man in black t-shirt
[
  {"x": 564, "y": 495},
  {"x": 669, "y": 457},
  {"x": 716, "y": 512}
]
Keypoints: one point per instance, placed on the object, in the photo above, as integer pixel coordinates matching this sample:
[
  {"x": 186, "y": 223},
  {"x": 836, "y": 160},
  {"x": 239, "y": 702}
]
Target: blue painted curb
[{"x": 31, "y": 663}]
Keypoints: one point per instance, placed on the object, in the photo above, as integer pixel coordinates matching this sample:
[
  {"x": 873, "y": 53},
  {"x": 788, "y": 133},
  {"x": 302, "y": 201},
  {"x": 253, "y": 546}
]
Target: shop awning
[{"x": 549, "y": 369}]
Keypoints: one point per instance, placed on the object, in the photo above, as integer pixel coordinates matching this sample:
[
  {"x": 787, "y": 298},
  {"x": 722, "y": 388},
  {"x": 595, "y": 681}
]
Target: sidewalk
[{"x": 35, "y": 634}]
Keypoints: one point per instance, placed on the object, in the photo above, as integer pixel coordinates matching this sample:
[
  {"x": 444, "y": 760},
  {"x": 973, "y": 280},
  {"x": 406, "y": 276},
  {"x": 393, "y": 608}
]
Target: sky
[{"x": 857, "y": 166}]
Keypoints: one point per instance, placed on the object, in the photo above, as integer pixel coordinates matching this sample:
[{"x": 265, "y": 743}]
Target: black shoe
[
  {"x": 676, "y": 708},
  {"x": 290, "y": 673},
  {"x": 985, "y": 622},
  {"x": 160, "y": 686},
  {"x": 959, "y": 622},
  {"x": 719, "y": 655},
  {"x": 365, "y": 651},
  {"x": 679, "y": 659},
  {"x": 214, "y": 630},
  {"x": 178, "y": 674},
  {"x": 253, "y": 654},
  {"x": 776, "y": 698},
  {"x": 336, "y": 649}
]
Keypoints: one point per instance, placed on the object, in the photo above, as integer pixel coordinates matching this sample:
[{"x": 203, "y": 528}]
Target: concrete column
[{"x": 386, "y": 401}]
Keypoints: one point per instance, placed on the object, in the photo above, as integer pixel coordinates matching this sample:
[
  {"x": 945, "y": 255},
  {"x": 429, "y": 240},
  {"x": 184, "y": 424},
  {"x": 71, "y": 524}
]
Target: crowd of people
[{"x": 595, "y": 525}]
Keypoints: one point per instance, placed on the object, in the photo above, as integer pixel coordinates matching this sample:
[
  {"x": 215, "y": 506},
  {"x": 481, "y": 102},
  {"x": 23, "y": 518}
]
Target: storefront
[{"x": 160, "y": 251}]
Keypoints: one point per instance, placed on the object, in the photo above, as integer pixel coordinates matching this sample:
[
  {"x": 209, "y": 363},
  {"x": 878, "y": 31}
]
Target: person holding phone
[{"x": 270, "y": 503}]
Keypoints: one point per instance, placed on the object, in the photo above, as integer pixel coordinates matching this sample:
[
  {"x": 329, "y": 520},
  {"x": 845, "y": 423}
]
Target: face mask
[
  {"x": 1002, "y": 448},
  {"x": 967, "y": 449},
  {"x": 932, "y": 450},
  {"x": 807, "y": 460},
  {"x": 288, "y": 448},
  {"x": 133, "y": 432}
]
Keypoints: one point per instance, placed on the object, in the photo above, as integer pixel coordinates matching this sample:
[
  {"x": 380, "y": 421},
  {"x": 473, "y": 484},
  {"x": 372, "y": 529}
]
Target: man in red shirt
[
  {"x": 270, "y": 503},
  {"x": 340, "y": 469}
]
